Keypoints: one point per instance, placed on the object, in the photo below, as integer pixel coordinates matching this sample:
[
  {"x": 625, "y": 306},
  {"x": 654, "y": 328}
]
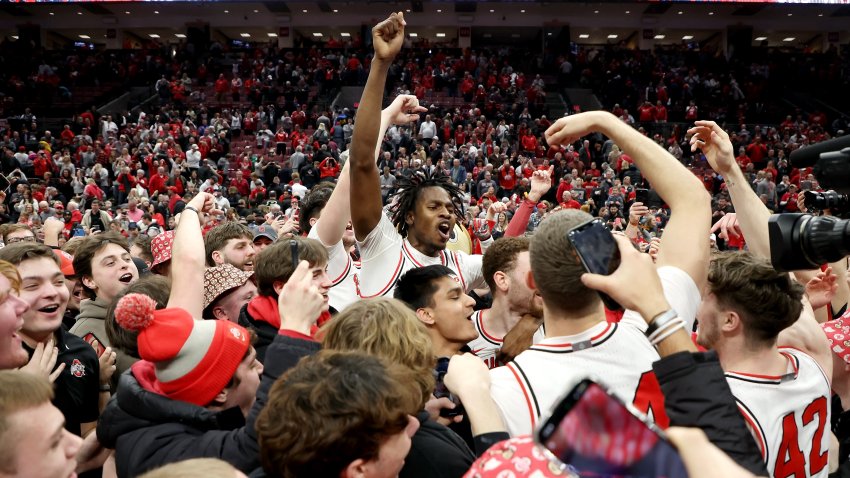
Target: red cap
[{"x": 66, "y": 262}]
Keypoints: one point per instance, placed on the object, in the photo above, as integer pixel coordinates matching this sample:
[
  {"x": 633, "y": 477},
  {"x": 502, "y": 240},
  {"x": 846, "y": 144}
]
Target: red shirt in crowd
[{"x": 507, "y": 178}]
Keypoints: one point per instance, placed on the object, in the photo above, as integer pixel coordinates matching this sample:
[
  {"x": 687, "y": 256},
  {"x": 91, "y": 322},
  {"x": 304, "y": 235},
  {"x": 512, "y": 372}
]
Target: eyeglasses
[{"x": 13, "y": 240}]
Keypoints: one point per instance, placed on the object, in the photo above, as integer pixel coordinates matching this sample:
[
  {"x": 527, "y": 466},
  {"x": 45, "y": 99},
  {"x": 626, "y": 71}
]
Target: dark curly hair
[{"x": 408, "y": 190}]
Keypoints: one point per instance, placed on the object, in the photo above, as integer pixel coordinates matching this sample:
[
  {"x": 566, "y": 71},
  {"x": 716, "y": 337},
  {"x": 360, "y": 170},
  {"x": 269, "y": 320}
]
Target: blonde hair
[
  {"x": 11, "y": 273},
  {"x": 194, "y": 468},
  {"x": 388, "y": 329}
]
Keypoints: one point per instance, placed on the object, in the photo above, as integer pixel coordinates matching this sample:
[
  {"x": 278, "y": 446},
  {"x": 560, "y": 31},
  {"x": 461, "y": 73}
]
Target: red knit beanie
[{"x": 193, "y": 359}]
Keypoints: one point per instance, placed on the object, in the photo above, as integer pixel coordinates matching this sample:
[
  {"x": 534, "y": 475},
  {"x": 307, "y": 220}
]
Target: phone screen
[
  {"x": 597, "y": 435},
  {"x": 642, "y": 196},
  {"x": 598, "y": 252}
]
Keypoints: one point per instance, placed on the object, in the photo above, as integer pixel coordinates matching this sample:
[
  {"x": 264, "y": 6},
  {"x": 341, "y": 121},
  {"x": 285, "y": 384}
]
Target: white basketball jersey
[
  {"x": 486, "y": 346},
  {"x": 385, "y": 256},
  {"x": 341, "y": 270},
  {"x": 788, "y": 415}
]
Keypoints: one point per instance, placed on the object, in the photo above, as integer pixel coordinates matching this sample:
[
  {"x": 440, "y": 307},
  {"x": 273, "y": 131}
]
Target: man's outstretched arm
[
  {"x": 685, "y": 241},
  {"x": 387, "y": 39}
]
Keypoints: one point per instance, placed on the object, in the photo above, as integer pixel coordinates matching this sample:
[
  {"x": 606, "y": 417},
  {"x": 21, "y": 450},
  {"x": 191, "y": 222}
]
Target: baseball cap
[
  {"x": 221, "y": 279},
  {"x": 66, "y": 262},
  {"x": 265, "y": 231}
]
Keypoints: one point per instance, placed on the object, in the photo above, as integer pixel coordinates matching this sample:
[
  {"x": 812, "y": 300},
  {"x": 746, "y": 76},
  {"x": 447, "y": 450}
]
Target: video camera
[{"x": 802, "y": 241}]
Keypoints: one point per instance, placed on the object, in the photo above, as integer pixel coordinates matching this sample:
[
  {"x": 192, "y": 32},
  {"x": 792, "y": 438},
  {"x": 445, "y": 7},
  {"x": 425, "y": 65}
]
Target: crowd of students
[{"x": 177, "y": 299}]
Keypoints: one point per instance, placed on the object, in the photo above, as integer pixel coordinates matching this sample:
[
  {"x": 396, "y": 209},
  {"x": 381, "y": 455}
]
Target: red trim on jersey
[
  {"x": 525, "y": 393},
  {"x": 484, "y": 332},
  {"x": 773, "y": 378},
  {"x": 344, "y": 273},
  {"x": 392, "y": 279},
  {"x": 413, "y": 259},
  {"x": 459, "y": 270},
  {"x": 755, "y": 429},
  {"x": 570, "y": 344}
]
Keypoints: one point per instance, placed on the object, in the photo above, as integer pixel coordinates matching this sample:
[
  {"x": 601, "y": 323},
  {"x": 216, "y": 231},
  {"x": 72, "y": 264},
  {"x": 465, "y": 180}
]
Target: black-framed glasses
[{"x": 13, "y": 240}]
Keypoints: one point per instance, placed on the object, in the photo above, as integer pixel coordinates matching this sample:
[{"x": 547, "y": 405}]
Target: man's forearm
[
  {"x": 752, "y": 214},
  {"x": 369, "y": 116}
]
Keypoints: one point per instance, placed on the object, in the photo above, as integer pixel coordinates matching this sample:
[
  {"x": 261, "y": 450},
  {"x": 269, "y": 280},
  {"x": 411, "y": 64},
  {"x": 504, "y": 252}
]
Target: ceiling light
[
  {"x": 51, "y": 14},
  {"x": 584, "y": 36},
  {"x": 85, "y": 37},
  {"x": 549, "y": 34},
  {"x": 492, "y": 11},
  {"x": 180, "y": 35},
  {"x": 680, "y": 12},
  {"x": 79, "y": 13},
  {"x": 271, "y": 35},
  {"x": 156, "y": 12},
  {"x": 304, "y": 11},
  {"x": 627, "y": 12},
  {"x": 153, "y": 35},
  {"x": 439, "y": 10},
  {"x": 413, "y": 35},
  {"x": 317, "y": 34},
  {"x": 789, "y": 39},
  {"x": 522, "y": 11},
  {"x": 345, "y": 34},
  {"x": 256, "y": 11},
  {"x": 659, "y": 37},
  {"x": 820, "y": 14},
  {"x": 612, "y": 36},
  {"x": 227, "y": 11},
  {"x": 127, "y": 12},
  {"x": 245, "y": 35},
  {"x": 596, "y": 11},
  {"x": 761, "y": 38},
  {"x": 790, "y": 14},
  {"x": 15, "y": 37},
  {"x": 711, "y": 13},
  {"x": 688, "y": 37},
  {"x": 337, "y": 11},
  {"x": 441, "y": 35}
]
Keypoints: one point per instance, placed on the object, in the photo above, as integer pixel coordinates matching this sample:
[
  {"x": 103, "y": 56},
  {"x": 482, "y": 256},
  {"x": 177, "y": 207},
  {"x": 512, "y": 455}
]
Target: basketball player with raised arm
[
  {"x": 578, "y": 340},
  {"x": 328, "y": 219},
  {"x": 426, "y": 208},
  {"x": 777, "y": 361}
]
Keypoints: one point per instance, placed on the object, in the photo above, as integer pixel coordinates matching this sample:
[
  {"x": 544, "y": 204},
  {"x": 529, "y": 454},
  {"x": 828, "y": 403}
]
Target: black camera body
[{"x": 803, "y": 241}]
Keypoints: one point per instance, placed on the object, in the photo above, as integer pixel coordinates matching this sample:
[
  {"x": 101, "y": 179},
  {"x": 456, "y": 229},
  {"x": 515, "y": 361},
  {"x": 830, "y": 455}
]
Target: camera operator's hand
[
  {"x": 299, "y": 302},
  {"x": 821, "y": 288},
  {"x": 801, "y": 203},
  {"x": 388, "y": 36},
  {"x": 728, "y": 226},
  {"x": 715, "y": 144},
  {"x": 635, "y": 268}
]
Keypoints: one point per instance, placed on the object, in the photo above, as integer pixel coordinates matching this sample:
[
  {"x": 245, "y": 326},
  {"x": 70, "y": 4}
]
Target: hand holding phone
[
  {"x": 596, "y": 434},
  {"x": 598, "y": 252},
  {"x": 440, "y": 390}
]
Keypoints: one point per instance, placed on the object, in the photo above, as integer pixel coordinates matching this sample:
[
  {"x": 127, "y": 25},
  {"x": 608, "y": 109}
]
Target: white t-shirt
[
  {"x": 428, "y": 129},
  {"x": 299, "y": 190},
  {"x": 341, "y": 271},
  {"x": 618, "y": 355},
  {"x": 385, "y": 256},
  {"x": 788, "y": 415}
]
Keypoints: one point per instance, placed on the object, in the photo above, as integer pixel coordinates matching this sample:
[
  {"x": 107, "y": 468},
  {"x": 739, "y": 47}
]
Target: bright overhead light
[
  {"x": 271, "y": 35},
  {"x": 407, "y": 11},
  {"x": 612, "y": 36},
  {"x": 317, "y": 34},
  {"x": 492, "y": 11},
  {"x": 227, "y": 11},
  {"x": 761, "y": 38},
  {"x": 256, "y": 11},
  {"x": 688, "y": 37},
  {"x": 156, "y": 12},
  {"x": 627, "y": 12},
  {"x": 245, "y": 35},
  {"x": 549, "y": 34},
  {"x": 439, "y": 10},
  {"x": 345, "y": 34},
  {"x": 711, "y": 13},
  {"x": 659, "y": 37},
  {"x": 79, "y": 13},
  {"x": 413, "y": 35},
  {"x": 584, "y": 36},
  {"x": 337, "y": 11},
  {"x": 789, "y": 39},
  {"x": 441, "y": 35},
  {"x": 680, "y": 12},
  {"x": 180, "y": 35},
  {"x": 596, "y": 11},
  {"x": 15, "y": 37},
  {"x": 153, "y": 35},
  {"x": 820, "y": 14},
  {"x": 127, "y": 12},
  {"x": 51, "y": 14},
  {"x": 85, "y": 37},
  {"x": 522, "y": 11},
  {"x": 304, "y": 11},
  {"x": 790, "y": 14}
]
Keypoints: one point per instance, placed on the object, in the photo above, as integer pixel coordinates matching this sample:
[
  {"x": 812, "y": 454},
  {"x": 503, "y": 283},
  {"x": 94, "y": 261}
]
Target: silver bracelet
[
  {"x": 673, "y": 323},
  {"x": 669, "y": 332}
]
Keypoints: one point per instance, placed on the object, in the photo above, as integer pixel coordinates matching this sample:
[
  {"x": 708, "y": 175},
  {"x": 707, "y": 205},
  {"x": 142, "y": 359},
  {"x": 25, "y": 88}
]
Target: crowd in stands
[{"x": 236, "y": 272}]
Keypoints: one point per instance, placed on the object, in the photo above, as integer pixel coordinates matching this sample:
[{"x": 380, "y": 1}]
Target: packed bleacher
[{"x": 239, "y": 273}]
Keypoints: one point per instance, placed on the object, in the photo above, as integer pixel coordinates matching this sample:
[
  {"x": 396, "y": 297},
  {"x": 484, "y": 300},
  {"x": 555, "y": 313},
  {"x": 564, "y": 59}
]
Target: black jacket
[
  {"x": 148, "y": 430},
  {"x": 265, "y": 332},
  {"x": 436, "y": 451},
  {"x": 696, "y": 394}
]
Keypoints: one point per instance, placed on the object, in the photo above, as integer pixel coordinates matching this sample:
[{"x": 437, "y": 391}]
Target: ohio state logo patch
[{"x": 78, "y": 369}]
